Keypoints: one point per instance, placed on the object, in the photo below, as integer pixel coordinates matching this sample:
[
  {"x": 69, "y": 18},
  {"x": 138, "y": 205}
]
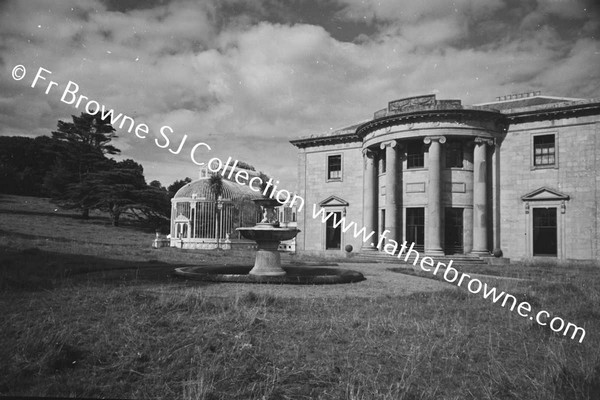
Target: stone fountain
[
  {"x": 268, "y": 235},
  {"x": 267, "y": 264}
]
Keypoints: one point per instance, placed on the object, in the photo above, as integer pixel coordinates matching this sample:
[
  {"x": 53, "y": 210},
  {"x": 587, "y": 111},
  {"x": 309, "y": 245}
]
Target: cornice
[
  {"x": 554, "y": 111},
  {"x": 503, "y": 119},
  {"x": 456, "y": 115},
  {"x": 325, "y": 140}
]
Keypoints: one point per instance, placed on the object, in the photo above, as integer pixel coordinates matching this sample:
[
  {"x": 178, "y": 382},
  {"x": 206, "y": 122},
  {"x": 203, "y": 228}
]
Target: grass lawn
[{"x": 90, "y": 310}]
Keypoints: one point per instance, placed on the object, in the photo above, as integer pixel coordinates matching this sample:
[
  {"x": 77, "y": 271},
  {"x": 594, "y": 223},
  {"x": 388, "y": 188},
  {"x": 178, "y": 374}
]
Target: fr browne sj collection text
[{"x": 70, "y": 95}]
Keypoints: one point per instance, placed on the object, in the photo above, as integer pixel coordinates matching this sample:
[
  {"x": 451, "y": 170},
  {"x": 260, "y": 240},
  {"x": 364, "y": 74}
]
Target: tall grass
[
  {"x": 146, "y": 340},
  {"x": 73, "y": 325}
]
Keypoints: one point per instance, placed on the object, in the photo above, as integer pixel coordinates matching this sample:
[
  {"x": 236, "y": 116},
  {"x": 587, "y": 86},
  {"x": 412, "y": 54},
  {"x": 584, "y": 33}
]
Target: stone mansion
[{"x": 519, "y": 176}]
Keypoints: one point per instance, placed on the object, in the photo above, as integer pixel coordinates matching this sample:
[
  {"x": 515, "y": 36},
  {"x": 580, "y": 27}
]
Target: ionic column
[
  {"x": 370, "y": 193},
  {"x": 496, "y": 196},
  {"x": 433, "y": 245},
  {"x": 480, "y": 196},
  {"x": 391, "y": 189}
]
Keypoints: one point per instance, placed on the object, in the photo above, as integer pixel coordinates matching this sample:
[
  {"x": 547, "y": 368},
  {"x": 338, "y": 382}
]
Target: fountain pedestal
[
  {"x": 268, "y": 259},
  {"x": 268, "y": 235}
]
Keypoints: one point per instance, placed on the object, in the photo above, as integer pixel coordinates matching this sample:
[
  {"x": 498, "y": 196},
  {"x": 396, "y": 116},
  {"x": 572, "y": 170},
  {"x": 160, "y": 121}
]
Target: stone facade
[
  {"x": 519, "y": 175},
  {"x": 332, "y": 195},
  {"x": 570, "y": 186}
]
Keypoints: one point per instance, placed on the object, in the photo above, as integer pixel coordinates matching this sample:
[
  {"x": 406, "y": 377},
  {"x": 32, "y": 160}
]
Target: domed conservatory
[{"x": 203, "y": 218}]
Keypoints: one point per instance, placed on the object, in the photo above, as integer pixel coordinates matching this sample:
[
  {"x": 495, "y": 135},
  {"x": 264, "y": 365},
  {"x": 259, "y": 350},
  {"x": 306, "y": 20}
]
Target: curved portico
[
  {"x": 516, "y": 176},
  {"x": 427, "y": 177}
]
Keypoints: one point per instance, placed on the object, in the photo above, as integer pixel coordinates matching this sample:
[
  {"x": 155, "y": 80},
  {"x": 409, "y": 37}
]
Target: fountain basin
[{"x": 300, "y": 275}]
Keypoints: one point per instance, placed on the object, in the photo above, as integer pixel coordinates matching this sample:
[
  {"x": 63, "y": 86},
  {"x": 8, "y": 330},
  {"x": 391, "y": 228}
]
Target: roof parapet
[{"x": 417, "y": 103}]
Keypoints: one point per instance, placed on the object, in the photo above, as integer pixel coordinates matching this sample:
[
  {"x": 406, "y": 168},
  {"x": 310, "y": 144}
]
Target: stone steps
[{"x": 457, "y": 259}]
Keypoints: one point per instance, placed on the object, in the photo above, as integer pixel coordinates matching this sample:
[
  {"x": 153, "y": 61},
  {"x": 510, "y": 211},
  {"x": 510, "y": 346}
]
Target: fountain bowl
[{"x": 267, "y": 232}]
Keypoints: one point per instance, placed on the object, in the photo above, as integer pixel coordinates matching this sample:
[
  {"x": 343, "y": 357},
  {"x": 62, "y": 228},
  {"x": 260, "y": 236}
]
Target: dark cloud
[{"x": 245, "y": 77}]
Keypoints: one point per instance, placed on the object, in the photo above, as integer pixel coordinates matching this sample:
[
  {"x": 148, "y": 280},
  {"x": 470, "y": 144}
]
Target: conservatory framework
[{"x": 201, "y": 218}]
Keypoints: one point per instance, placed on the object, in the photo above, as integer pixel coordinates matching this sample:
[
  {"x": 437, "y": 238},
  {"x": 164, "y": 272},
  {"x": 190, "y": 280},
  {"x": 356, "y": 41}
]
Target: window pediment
[
  {"x": 545, "y": 194},
  {"x": 334, "y": 201}
]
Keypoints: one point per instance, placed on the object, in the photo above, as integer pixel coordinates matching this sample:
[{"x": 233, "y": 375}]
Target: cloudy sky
[{"x": 245, "y": 77}]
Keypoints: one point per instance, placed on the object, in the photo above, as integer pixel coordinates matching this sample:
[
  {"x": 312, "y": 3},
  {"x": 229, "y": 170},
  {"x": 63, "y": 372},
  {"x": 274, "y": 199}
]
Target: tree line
[{"x": 73, "y": 168}]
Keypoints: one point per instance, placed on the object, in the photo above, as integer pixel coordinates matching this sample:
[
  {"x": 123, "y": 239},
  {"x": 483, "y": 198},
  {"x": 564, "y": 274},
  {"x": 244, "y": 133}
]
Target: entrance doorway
[
  {"x": 333, "y": 235},
  {"x": 544, "y": 232},
  {"x": 453, "y": 231},
  {"x": 415, "y": 227}
]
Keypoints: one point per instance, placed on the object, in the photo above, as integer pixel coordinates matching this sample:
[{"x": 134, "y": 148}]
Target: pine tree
[
  {"x": 85, "y": 144},
  {"x": 122, "y": 189},
  {"x": 83, "y": 177},
  {"x": 90, "y": 130}
]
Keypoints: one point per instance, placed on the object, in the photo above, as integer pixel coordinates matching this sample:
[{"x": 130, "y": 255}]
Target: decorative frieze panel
[
  {"x": 417, "y": 187},
  {"x": 411, "y": 103},
  {"x": 456, "y": 187}
]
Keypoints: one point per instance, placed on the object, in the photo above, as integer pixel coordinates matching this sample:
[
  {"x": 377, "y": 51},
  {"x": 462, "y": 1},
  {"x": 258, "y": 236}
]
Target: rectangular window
[
  {"x": 415, "y": 156},
  {"x": 382, "y": 161},
  {"x": 334, "y": 167},
  {"x": 543, "y": 150},
  {"x": 454, "y": 154}
]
